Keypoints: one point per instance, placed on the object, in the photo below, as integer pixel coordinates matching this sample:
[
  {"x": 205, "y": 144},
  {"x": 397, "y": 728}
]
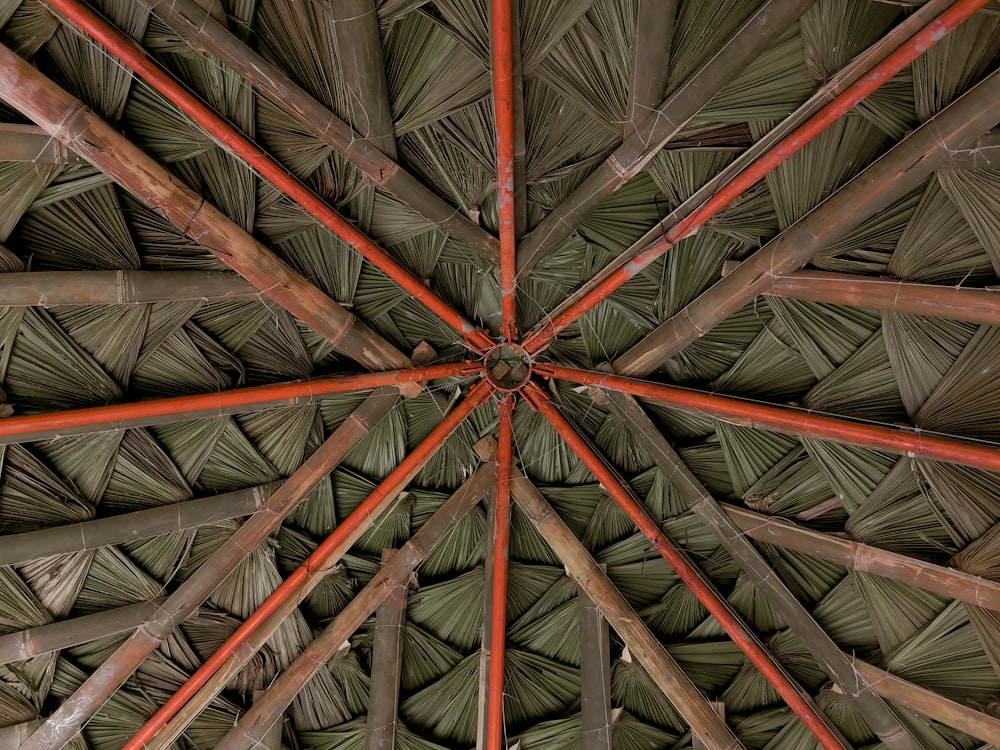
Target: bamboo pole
[
  {"x": 127, "y": 527},
  {"x": 396, "y": 572},
  {"x": 931, "y": 705},
  {"x": 739, "y": 184},
  {"x": 387, "y": 663},
  {"x": 136, "y": 59},
  {"x": 501, "y": 33},
  {"x": 595, "y": 674},
  {"x": 47, "y": 288},
  {"x": 495, "y": 635},
  {"x": 790, "y": 421},
  {"x": 68, "y": 719},
  {"x": 359, "y": 52},
  {"x": 980, "y": 306},
  {"x": 209, "y": 36},
  {"x": 55, "y": 636},
  {"x": 757, "y": 34},
  {"x": 80, "y": 129},
  {"x": 877, "y": 714},
  {"x": 12, "y": 737},
  {"x": 31, "y": 143},
  {"x": 900, "y": 170},
  {"x": 213, "y": 675},
  {"x": 797, "y": 699},
  {"x": 52, "y": 425},
  {"x": 853, "y": 71},
  {"x": 949, "y": 582},
  {"x": 647, "y": 649},
  {"x": 654, "y": 34}
]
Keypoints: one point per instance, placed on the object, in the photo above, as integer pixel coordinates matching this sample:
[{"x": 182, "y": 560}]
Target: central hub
[{"x": 508, "y": 367}]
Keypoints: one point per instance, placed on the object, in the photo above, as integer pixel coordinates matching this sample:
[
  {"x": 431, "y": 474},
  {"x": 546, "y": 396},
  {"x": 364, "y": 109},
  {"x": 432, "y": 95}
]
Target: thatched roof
[{"x": 841, "y": 508}]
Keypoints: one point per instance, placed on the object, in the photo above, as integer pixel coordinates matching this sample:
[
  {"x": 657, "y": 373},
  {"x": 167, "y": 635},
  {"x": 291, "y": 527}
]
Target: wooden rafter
[
  {"x": 69, "y": 121},
  {"x": 68, "y": 719},
  {"x": 980, "y": 306},
  {"x": 850, "y": 74},
  {"x": 31, "y": 143},
  {"x": 387, "y": 663},
  {"x": 875, "y": 711},
  {"x": 47, "y": 288},
  {"x": 644, "y": 646},
  {"x": 949, "y": 582},
  {"x": 397, "y": 571},
  {"x": 595, "y": 674},
  {"x": 654, "y": 34},
  {"x": 758, "y": 32},
  {"x": 205, "y": 34},
  {"x": 127, "y": 527},
  {"x": 55, "y": 636},
  {"x": 215, "y": 673},
  {"x": 900, "y": 170},
  {"x": 359, "y": 52}
]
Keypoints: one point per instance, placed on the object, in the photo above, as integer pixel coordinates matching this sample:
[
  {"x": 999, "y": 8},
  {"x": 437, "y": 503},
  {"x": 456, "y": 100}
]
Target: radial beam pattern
[{"x": 499, "y": 208}]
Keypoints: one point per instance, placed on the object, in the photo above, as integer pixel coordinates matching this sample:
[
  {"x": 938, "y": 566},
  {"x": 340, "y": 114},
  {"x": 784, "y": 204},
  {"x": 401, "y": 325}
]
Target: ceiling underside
[{"x": 888, "y": 549}]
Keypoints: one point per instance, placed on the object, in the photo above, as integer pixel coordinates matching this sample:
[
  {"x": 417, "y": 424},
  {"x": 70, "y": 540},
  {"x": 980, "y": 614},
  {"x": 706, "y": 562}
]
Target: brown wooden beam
[
  {"x": 934, "y": 706},
  {"x": 980, "y": 306},
  {"x": 272, "y": 738},
  {"x": 359, "y": 52},
  {"x": 876, "y": 712},
  {"x": 595, "y": 674},
  {"x": 387, "y": 663},
  {"x": 757, "y": 34},
  {"x": 48, "y": 288},
  {"x": 207, "y": 35},
  {"x": 654, "y": 35},
  {"x": 12, "y": 737},
  {"x": 646, "y": 648},
  {"x": 44, "y": 639},
  {"x": 184, "y": 601},
  {"x": 127, "y": 527},
  {"x": 854, "y": 71},
  {"x": 72, "y": 123},
  {"x": 174, "y": 716},
  {"x": 397, "y": 572},
  {"x": 900, "y": 170},
  {"x": 949, "y": 582},
  {"x": 31, "y": 143},
  {"x": 485, "y": 662}
]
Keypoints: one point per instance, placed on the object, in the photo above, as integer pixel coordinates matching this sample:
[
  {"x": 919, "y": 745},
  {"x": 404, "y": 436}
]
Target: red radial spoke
[
  {"x": 503, "y": 96},
  {"x": 933, "y": 32},
  {"x": 325, "y": 555},
  {"x": 135, "y": 58},
  {"x": 709, "y": 598},
  {"x": 793, "y": 421},
  {"x": 76, "y": 421},
  {"x": 498, "y": 598}
]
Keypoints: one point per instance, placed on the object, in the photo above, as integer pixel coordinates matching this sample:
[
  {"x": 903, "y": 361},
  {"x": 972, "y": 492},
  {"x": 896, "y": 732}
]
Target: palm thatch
[{"x": 577, "y": 59}]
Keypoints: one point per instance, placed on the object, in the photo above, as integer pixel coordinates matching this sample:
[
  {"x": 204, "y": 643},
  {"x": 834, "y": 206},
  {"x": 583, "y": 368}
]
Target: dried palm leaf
[
  {"x": 20, "y": 184},
  {"x": 938, "y": 245},
  {"x": 947, "y": 657},
  {"x": 770, "y": 87},
  {"x": 951, "y": 67}
]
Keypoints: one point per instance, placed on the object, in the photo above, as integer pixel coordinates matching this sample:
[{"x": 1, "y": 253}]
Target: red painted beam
[
  {"x": 503, "y": 97},
  {"x": 134, "y": 57},
  {"x": 332, "y": 548},
  {"x": 498, "y": 597},
  {"x": 791, "y": 421},
  {"x": 709, "y": 598},
  {"x": 143, "y": 413},
  {"x": 933, "y": 32}
]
